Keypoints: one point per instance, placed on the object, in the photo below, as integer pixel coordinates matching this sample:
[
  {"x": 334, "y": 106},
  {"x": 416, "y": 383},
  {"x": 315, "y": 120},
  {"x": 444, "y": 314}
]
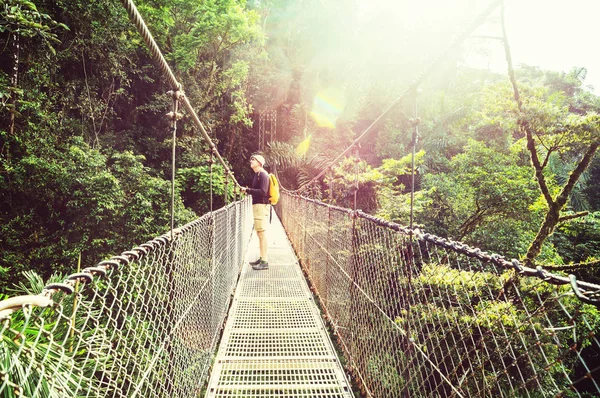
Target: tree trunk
[
  {"x": 545, "y": 231},
  {"x": 553, "y": 216},
  {"x": 555, "y": 206}
]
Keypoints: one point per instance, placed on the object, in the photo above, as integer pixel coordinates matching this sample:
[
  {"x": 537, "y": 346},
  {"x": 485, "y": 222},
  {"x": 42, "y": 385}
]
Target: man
[{"x": 260, "y": 200}]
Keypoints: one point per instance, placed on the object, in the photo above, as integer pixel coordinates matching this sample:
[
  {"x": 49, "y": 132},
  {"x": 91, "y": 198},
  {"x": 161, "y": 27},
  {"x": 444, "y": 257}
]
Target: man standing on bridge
[{"x": 260, "y": 200}]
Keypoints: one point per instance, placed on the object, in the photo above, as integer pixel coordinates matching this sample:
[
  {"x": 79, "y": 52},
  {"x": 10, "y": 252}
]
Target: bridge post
[
  {"x": 356, "y": 165},
  {"x": 331, "y": 174},
  {"x": 211, "y": 162},
  {"x": 410, "y": 251},
  {"x": 352, "y": 271},
  {"x": 213, "y": 278},
  {"x": 327, "y": 263},
  {"x": 171, "y": 316},
  {"x": 226, "y": 188}
]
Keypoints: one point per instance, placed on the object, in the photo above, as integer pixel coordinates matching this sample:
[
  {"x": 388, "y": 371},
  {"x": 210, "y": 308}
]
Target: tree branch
[
  {"x": 96, "y": 140},
  {"x": 572, "y": 216},
  {"x": 561, "y": 200},
  {"x": 547, "y": 158},
  {"x": 539, "y": 175},
  {"x": 570, "y": 267}
]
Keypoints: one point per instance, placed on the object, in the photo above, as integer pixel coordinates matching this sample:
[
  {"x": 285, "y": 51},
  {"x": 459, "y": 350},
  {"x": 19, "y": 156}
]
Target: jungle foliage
[{"x": 85, "y": 149}]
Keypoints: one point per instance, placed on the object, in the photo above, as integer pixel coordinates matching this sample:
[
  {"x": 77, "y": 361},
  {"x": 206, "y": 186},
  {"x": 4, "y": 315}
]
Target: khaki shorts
[{"x": 261, "y": 215}]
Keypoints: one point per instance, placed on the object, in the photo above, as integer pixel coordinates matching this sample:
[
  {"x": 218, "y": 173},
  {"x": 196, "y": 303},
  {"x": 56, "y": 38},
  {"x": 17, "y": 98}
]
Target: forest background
[{"x": 85, "y": 145}]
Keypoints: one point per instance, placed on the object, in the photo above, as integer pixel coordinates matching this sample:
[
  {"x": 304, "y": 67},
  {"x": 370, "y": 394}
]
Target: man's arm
[{"x": 263, "y": 185}]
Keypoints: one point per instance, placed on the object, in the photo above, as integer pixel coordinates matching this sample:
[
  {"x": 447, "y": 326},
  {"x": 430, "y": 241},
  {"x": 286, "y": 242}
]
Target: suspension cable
[
  {"x": 416, "y": 83},
  {"x": 137, "y": 19},
  {"x": 415, "y": 135},
  {"x": 174, "y": 116},
  {"x": 356, "y": 164},
  {"x": 212, "y": 161}
]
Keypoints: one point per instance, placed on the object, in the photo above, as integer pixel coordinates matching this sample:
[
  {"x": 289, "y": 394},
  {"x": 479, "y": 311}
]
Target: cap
[{"x": 260, "y": 159}]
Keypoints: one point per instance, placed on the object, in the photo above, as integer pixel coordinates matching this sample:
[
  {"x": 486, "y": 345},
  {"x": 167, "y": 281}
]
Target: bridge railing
[
  {"x": 142, "y": 324},
  {"x": 416, "y": 316}
]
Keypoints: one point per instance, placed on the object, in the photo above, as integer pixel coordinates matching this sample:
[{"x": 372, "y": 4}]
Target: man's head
[{"x": 257, "y": 161}]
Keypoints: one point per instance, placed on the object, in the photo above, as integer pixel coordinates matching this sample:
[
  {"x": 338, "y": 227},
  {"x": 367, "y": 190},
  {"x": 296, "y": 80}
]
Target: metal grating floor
[
  {"x": 278, "y": 314},
  {"x": 274, "y": 343}
]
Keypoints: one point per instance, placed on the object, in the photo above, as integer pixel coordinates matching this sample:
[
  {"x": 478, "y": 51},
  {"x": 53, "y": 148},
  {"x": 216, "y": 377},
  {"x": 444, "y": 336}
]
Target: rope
[
  {"x": 412, "y": 88},
  {"x": 415, "y": 136},
  {"x": 458, "y": 247},
  {"x": 136, "y": 18},
  {"x": 212, "y": 161},
  {"x": 173, "y": 115},
  {"x": 356, "y": 163}
]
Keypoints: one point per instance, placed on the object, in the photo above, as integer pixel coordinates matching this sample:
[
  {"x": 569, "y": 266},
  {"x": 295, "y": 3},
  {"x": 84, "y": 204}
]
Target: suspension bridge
[
  {"x": 412, "y": 315},
  {"x": 352, "y": 305}
]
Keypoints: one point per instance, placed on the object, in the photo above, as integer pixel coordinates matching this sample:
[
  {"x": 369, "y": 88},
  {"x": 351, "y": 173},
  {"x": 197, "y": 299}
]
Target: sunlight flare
[
  {"x": 302, "y": 148},
  {"x": 327, "y": 108}
]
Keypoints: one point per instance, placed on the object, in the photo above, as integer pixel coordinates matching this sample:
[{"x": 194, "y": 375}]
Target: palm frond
[
  {"x": 283, "y": 154},
  {"x": 33, "y": 283},
  {"x": 319, "y": 161},
  {"x": 304, "y": 177},
  {"x": 454, "y": 115},
  {"x": 579, "y": 73},
  {"x": 578, "y": 200}
]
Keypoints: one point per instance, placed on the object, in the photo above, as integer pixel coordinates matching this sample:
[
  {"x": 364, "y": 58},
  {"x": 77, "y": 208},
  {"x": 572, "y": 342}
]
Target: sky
[
  {"x": 554, "y": 35},
  {"x": 383, "y": 44}
]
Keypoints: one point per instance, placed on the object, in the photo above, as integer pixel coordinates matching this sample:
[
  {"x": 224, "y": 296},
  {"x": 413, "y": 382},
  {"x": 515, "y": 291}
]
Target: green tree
[
  {"x": 551, "y": 126},
  {"x": 21, "y": 19},
  {"x": 484, "y": 192},
  {"x": 68, "y": 199}
]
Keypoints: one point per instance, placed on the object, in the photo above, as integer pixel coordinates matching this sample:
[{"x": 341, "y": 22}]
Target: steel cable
[{"x": 138, "y": 21}]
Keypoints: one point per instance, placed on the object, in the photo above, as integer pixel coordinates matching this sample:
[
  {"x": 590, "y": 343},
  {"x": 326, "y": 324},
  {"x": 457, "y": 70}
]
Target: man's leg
[
  {"x": 260, "y": 224},
  {"x": 262, "y": 261},
  {"x": 262, "y": 241}
]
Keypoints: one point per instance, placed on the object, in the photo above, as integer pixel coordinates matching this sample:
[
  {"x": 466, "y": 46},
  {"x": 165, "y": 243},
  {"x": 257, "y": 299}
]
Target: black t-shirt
[{"x": 260, "y": 188}]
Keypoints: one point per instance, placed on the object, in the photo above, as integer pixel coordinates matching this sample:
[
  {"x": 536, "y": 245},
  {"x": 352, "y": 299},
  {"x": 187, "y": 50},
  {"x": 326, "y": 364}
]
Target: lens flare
[
  {"x": 327, "y": 107},
  {"x": 302, "y": 148}
]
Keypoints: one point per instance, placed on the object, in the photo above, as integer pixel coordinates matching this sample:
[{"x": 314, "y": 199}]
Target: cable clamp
[
  {"x": 517, "y": 266},
  {"x": 174, "y": 115},
  {"x": 123, "y": 259},
  {"x": 143, "y": 250},
  {"x": 95, "y": 271},
  {"x": 414, "y": 122},
  {"x": 133, "y": 254},
  {"x": 63, "y": 287},
  {"x": 109, "y": 264},
  {"x": 176, "y": 94},
  {"x": 83, "y": 277}
]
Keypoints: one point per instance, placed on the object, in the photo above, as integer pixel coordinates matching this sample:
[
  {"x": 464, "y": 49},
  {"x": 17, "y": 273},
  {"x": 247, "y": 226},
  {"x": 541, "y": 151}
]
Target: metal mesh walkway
[{"x": 274, "y": 343}]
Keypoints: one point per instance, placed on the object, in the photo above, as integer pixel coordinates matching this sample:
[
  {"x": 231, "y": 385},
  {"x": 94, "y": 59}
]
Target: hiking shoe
[
  {"x": 261, "y": 265},
  {"x": 256, "y": 262}
]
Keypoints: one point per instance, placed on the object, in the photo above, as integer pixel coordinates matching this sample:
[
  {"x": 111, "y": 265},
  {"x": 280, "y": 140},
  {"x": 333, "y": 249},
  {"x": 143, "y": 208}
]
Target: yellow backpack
[{"x": 273, "y": 189}]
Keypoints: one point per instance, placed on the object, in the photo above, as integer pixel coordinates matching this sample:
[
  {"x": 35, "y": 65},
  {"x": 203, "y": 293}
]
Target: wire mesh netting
[
  {"x": 417, "y": 317},
  {"x": 147, "y": 326}
]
